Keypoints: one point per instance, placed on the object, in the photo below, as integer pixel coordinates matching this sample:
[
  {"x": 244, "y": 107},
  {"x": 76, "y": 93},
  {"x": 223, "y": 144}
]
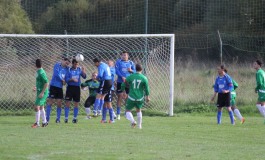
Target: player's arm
[
  {"x": 147, "y": 90},
  {"x": 133, "y": 69},
  {"x": 117, "y": 68},
  {"x": 100, "y": 73},
  {"x": 259, "y": 79},
  {"x": 215, "y": 87},
  {"x": 230, "y": 85},
  {"x": 235, "y": 84},
  {"x": 83, "y": 72},
  {"x": 86, "y": 83},
  {"x": 45, "y": 86}
]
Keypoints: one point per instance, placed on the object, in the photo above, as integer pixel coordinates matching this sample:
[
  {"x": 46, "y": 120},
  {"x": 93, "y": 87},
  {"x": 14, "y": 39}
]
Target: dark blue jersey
[
  {"x": 103, "y": 72},
  {"x": 112, "y": 71},
  {"x": 58, "y": 76},
  {"x": 74, "y": 73},
  {"x": 223, "y": 83},
  {"x": 122, "y": 69}
]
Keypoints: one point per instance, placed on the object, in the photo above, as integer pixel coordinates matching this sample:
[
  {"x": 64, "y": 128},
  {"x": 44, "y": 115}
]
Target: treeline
[{"x": 243, "y": 17}]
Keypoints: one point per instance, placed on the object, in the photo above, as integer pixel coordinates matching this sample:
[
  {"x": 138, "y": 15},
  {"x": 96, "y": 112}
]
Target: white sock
[
  {"x": 238, "y": 114},
  {"x": 43, "y": 116},
  {"x": 260, "y": 110},
  {"x": 129, "y": 116},
  {"x": 139, "y": 119},
  {"x": 87, "y": 111},
  {"x": 114, "y": 115},
  {"x": 263, "y": 110},
  {"x": 37, "y": 117}
]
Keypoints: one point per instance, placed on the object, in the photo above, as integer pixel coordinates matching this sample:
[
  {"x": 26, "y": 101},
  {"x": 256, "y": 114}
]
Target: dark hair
[
  {"x": 95, "y": 60},
  {"x": 138, "y": 67},
  {"x": 124, "y": 52},
  {"x": 38, "y": 63},
  {"x": 74, "y": 61},
  {"x": 259, "y": 62},
  {"x": 66, "y": 59}
]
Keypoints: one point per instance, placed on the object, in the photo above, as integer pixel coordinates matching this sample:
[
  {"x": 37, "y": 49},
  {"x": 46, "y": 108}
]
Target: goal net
[{"x": 19, "y": 52}]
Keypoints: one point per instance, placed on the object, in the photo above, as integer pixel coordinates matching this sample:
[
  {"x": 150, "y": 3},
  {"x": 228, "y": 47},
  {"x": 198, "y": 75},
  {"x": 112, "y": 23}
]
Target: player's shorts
[
  {"x": 131, "y": 104},
  {"x": 233, "y": 99},
  {"x": 41, "y": 101},
  {"x": 224, "y": 100},
  {"x": 261, "y": 97},
  {"x": 73, "y": 93},
  {"x": 108, "y": 97},
  {"x": 105, "y": 86},
  {"x": 119, "y": 88},
  {"x": 55, "y": 92},
  {"x": 90, "y": 101}
]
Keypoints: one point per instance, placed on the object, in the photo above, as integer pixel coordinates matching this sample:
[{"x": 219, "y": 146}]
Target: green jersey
[
  {"x": 41, "y": 79},
  {"x": 138, "y": 86},
  {"x": 235, "y": 86},
  {"x": 93, "y": 86},
  {"x": 260, "y": 76}
]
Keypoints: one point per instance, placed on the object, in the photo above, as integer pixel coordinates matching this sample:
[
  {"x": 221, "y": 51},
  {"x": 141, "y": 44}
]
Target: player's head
[
  {"x": 138, "y": 68},
  {"x": 38, "y": 63},
  {"x": 111, "y": 63},
  {"x": 66, "y": 61},
  {"x": 257, "y": 64},
  {"x": 74, "y": 63},
  {"x": 125, "y": 56},
  {"x": 221, "y": 70},
  {"x": 94, "y": 75},
  {"x": 96, "y": 61}
]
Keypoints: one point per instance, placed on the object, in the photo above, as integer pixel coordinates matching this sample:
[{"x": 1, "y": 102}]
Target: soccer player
[
  {"x": 41, "y": 96},
  {"x": 108, "y": 97},
  {"x": 233, "y": 101},
  {"x": 138, "y": 88},
  {"x": 93, "y": 85},
  {"x": 56, "y": 88},
  {"x": 124, "y": 67},
  {"x": 104, "y": 77},
  {"x": 73, "y": 80},
  {"x": 223, "y": 87},
  {"x": 260, "y": 88}
]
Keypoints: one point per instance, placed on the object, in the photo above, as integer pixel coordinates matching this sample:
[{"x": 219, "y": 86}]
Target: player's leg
[
  {"x": 219, "y": 108},
  {"x": 129, "y": 116},
  {"x": 98, "y": 99},
  {"x": 227, "y": 100},
  {"x": 89, "y": 101},
  {"x": 237, "y": 112},
  {"x": 58, "y": 97},
  {"x": 76, "y": 99},
  {"x": 37, "y": 116},
  {"x": 42, "y": 111},
  {"x": 119, "y": 100},
  {"x": 261, "y": 104},
  {"x": 139, "y": 113},
  {"x": 68, "y": 99},
  {"x": 50, "y": 101}
]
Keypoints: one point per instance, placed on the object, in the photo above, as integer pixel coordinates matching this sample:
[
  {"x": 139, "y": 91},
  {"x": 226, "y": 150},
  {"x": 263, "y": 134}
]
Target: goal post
[{"x": 18, "y": 53}]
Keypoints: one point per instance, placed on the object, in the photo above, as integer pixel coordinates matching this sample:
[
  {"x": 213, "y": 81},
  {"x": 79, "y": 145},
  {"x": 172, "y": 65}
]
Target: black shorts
[
  {"x": 224, "y": 100},
  {"x": 55, "y": 92},
  {"x": 105, "y": 86},
  {"x": 73, "y": 93},
  {"x": 108, "y": 97},
  {"x": 119, "y": 88},
  {"x": 90, "y": 101}
]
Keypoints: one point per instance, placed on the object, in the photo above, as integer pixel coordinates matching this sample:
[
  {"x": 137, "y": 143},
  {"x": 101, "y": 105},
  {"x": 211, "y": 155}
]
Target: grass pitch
[{"x": 184, "y": 136}]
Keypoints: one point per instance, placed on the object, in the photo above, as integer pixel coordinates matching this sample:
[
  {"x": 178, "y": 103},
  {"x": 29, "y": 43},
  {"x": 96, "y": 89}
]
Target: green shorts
[
  {"x": 131, "y": 104},
  {"x": 261, "y": 97},
  {"x": 41, "y": 101}
]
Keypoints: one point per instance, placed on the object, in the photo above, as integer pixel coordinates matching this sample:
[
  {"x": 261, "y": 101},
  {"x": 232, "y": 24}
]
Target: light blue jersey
[
  {"x": 74, "y": 73},
  {"x": 104, "y": 72},
  {"x": 58, "y": 76},
  {"x": 122, "y": 69},
  {"x": 223, "y": 83}
]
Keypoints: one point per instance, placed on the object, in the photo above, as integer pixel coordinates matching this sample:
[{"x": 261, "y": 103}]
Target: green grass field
[{"x": 184, "y": 136}]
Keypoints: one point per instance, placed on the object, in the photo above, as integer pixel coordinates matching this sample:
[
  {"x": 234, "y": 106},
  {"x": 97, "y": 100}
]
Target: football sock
[
  {"x": 96, "y": 104},
  {"x": 58, "y": 110},
  {"x": 104, "y": 113},
  {"x": 263, "y": 110},
  {"x": 111, "y": 114},
  {"x": 238, "y": 114},
  {"x": 231, "y": 115},
  {"x": 37, "y": 117},
  {"x": 219, "y": 117},
  {"x": 139, "y": 119},
  {"x": 129, "y": 116},
  {"x": 118, "y": 110},
  {"x": 87, "y": 111},
  {"x": 66, "y": 112},
  {"x": 101, "y": 105},
  {"x": 43, "y": 117},
  {"x": 48, "y": 112},
  {"x": 75, "y": 112},
  {"x": 260, "y": 110}
]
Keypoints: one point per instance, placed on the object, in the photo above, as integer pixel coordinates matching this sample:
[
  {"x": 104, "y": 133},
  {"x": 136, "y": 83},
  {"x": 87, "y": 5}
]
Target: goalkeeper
[
  {"x": 138, "y": 88},
  {"x": 93, "y": 85}
]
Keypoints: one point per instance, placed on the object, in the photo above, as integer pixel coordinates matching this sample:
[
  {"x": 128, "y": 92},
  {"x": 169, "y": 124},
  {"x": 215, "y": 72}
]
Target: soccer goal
[{"x": 19, "y": 52}]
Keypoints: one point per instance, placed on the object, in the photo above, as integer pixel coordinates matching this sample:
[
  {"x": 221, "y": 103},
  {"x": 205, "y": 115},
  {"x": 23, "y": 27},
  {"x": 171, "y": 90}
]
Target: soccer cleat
[
  {"x": 88, "y": 117},
  {"x": 103, "y": 121},
  {"x": 74, "y": 120},
  {"x": 140, "y": 126},
  {"x": 95, "y": 115},
  {"x": 99, "y": 113},
  {"x": 118, "y": 117},
  {"x": 133, "y": 124},
  {"x": 45, "y": 124},
  {"x": 242, "y": 120},
  {"x": 234, "y": 118},
  {"x": 66, "y": 121},
  {"x": 35, "y": 125},
  {"x": 115, "y": 117},
  {"x": 57, "y": 121},
  {"x": 110, "y": 121}
]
